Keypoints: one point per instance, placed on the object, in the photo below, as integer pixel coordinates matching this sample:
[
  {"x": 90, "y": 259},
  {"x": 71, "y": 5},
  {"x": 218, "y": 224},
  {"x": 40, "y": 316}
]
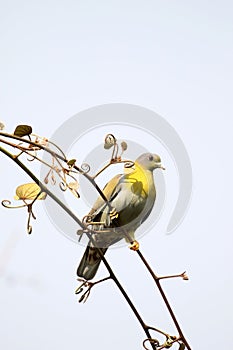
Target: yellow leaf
[
  {"x": 73, "y": 185},
  {"x": 29, "y": 191}
]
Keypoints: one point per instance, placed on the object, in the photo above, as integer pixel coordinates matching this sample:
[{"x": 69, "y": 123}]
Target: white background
[{"x": 174, "y": 57}]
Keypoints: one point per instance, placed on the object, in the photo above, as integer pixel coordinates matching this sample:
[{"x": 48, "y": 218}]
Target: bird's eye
[{"x": 150, "y": 157}]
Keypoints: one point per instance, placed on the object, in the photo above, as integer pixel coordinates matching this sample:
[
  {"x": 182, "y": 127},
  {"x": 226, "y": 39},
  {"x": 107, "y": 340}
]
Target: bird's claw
[
  {"x": 134, "y": 246},
  {"x": 113, "y": 214}
]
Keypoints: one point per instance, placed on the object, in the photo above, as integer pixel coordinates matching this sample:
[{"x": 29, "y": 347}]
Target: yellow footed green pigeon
[{"x": 131, "y": 196}]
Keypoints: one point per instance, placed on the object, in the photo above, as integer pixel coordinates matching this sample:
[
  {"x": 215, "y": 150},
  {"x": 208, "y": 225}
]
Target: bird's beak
[{"x": 161, "y": 167}]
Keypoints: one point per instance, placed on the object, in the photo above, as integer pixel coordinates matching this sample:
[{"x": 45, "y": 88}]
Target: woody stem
[
  {"x": 79, "y": 222},
  {"x": 157, "y": 281}
]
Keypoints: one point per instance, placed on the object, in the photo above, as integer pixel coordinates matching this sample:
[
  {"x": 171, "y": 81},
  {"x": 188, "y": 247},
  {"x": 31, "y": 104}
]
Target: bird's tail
[{"x": 90, "y": 262}]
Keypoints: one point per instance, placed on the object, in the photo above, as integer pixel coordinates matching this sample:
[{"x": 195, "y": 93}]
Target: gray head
[{"x": 149, "y": 161}]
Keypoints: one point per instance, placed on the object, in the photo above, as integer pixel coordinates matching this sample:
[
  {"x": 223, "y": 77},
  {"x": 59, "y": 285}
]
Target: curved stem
[
  {"x": 157, "y": 281},
  {"x": 56, "y": 155},
  {"x": 79, "y": 222}
]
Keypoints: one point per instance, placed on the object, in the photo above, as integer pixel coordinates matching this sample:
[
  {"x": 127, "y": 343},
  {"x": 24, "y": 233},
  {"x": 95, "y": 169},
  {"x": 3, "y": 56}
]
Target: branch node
[
  {"x": 183, "y": 275},
  {"x": 88, "y": 285},
  {"x": 152, "y": 342}
]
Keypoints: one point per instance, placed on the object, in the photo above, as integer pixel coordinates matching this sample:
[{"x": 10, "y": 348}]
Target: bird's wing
[
  {"x": 130, "y": 203},
  {"x": 127, "y": 196},
  {"x": 109, "y": 191},
  {"x": 121, "y": 191},
  {"x": 129, "y": 200}
]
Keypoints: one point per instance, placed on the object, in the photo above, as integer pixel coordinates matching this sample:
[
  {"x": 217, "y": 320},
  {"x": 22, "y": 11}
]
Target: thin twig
[
  {"x": 89, "y": 232},
  {"x": 58, "y": 156},
  {"x": 157, "y": 281},
  {"x": 79, "y": 222}
]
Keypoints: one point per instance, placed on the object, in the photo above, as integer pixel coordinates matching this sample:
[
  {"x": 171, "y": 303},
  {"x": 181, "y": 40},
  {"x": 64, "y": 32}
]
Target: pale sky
[{"x": 59, "y": 58}]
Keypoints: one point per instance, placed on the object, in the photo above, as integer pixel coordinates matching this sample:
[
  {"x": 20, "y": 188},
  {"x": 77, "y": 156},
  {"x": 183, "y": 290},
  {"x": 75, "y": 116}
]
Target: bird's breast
[{"x": 142, "y": 181}]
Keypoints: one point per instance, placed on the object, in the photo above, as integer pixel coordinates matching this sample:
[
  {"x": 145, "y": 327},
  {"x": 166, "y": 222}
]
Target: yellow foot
[
  {"x": 113, "y": 214},
  {"x": 134, "y": 245}
]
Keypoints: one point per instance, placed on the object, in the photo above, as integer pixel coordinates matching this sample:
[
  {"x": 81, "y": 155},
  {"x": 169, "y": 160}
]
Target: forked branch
[{"x": 86, "y": 286}]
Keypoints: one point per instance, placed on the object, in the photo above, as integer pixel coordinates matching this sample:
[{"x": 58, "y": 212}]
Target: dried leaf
[
  {"x": 29, "y": 191},
  {"x": 2, "y": 126},
  {"x": 124, "y": 146},
  {"x": 108, "y": 145},
  {"x": 182, "y": 346},
  {"x": 71, "y": 163},
  {"x": 22, "y": 130},
  {"x": 46, "y": 180},
  {"x": 109, "y": 141}
]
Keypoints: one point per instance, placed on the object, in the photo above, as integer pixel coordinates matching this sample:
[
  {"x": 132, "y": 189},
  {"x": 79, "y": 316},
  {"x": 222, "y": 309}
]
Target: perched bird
[{"x": 131, "y": 197}]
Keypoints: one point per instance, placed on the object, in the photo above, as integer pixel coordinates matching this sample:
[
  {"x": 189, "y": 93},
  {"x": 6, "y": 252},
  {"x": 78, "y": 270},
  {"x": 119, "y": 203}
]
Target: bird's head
[{"x": 149, "y": 161}]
